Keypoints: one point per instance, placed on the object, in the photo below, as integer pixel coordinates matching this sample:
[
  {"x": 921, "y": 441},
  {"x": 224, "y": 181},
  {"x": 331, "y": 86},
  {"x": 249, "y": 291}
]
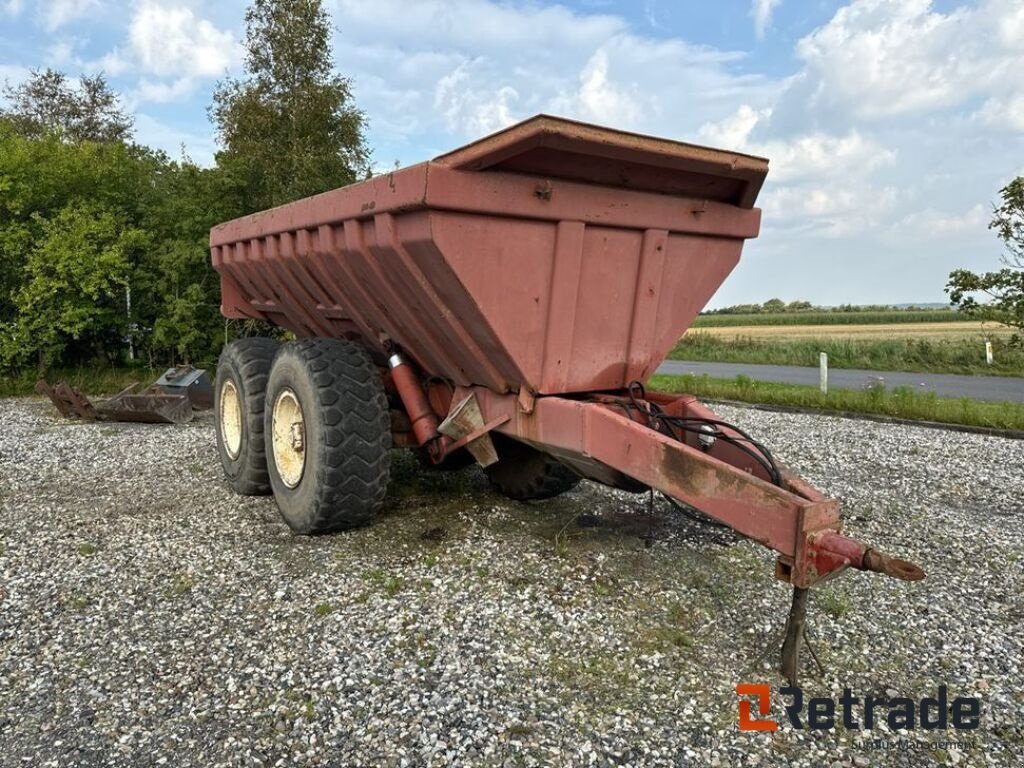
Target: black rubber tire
[
  {"x": 246, "y": 362},
  {"x": 347, "y": 443},
  {"x": 523, "y": 473}
]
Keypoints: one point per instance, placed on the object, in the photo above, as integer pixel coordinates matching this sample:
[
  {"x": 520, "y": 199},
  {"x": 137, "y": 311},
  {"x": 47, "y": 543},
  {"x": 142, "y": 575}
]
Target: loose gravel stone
[{"x": 150, "y": 617}]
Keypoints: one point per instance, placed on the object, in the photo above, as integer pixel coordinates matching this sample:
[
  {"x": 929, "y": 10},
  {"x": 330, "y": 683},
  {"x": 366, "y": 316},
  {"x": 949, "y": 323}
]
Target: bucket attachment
[
  {"x": 152, "y": 406},
  {"x": 146, "y": 407}
]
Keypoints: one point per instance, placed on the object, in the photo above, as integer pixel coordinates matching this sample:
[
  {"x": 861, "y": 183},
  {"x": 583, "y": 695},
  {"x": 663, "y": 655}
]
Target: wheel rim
[
  {"x": 288, "y": 438},
  {"x": 230, "y": 419}
]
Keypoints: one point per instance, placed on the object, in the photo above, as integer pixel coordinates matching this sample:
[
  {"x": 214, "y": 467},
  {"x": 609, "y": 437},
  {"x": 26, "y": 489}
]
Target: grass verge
[
  {"x": 901, "y": 402},
  {"x": 920, "y": 355},
  {"x": 92, "y": 381}
]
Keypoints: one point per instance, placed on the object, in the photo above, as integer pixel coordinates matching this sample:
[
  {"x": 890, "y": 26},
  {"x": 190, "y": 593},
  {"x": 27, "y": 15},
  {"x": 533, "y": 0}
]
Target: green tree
[
  {"x": 185, "y": 316},
  {"x": 47, "y": 103},
  {"x": 46, "y": 184},
  {"x": 1004, "y": 288},
  {"x": 77, "y": 274},
  {"x": 289, "y": 129}
]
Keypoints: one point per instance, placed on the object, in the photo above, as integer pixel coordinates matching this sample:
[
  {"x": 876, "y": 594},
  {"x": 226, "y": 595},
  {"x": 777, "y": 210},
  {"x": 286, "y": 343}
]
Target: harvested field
[{"x": 949, "y": 331}]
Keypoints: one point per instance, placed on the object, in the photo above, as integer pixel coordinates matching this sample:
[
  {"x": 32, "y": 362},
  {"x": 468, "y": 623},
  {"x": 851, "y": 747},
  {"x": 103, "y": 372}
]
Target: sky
[{"x": 891, "y": 125}]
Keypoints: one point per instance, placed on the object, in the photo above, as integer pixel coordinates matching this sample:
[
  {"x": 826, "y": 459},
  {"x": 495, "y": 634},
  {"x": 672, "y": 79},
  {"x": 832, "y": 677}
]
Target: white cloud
[
  {"x": 162, "y": 92},
  {"x": 829, "y": 208},
  {"x": 734, "y": 131},
  {"x": 600, "y": 100},
  {"x": 486, "y": 64},
  {"x": 112, "y": 63},
  {"x": 13, "y": 75},
  {"x": 57, "y": 13},
  {"x": 168, "y": 39},
  {"x": 761, "y": 11},
  {"x": 14, "y": 7},
  {"x": 931, "y": 223},
  {"x": 1006, "y": 112},
  {"x": 880, "y": 58},
  {"x": 473, "y": 111},
  {"x": 805, "y": 155}
]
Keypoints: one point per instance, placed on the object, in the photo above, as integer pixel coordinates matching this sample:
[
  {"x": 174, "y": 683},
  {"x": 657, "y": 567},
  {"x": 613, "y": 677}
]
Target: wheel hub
[
  {"x": 288, "y": 438},
  {"x": 230, "y": 418}
]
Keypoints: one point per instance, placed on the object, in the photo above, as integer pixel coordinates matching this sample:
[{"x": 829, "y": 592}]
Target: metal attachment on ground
[
  {"x": 71, "y": 403},
  {"x": 146, "y": 407},
  {"x": 465, "y": 425},
  {"x": 194, "y": 383},
  {"x": 154, "y": 405}
]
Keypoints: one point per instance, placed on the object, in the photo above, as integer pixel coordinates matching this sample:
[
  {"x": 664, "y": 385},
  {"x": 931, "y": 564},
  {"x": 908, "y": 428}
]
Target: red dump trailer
[{"x": 505, "y": 303}]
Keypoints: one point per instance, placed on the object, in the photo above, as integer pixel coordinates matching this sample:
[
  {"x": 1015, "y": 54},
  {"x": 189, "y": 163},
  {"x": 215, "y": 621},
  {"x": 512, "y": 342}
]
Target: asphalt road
[{"x": 943, "y": 384}]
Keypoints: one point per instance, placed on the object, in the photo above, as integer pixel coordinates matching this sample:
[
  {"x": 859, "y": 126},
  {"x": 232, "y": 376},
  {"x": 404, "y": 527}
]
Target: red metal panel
[
  {"x": 554, "y": 146},
  {"x": 543, "y": 283}
]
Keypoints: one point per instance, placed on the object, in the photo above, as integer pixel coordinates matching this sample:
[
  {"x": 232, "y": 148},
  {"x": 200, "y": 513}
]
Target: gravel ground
[{"x": 150, "y": 617}]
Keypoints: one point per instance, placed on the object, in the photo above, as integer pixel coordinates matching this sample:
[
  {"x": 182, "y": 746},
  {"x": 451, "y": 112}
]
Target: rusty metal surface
[
  {"x": 515, "y": 279},
  {"x": 595, "y": 437},
  {"x": 151, "y": 406},
  {"x": 68, "y": 400},
  {"x": 146, "y": 407}
]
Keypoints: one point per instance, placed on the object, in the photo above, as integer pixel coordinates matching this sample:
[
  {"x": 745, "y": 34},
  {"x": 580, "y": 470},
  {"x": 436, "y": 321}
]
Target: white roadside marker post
[
  {"x": 988, "y": 352},
  {"x": 823, "y": 372}
]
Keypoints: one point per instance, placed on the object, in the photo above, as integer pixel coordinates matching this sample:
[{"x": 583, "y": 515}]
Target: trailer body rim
[
  {"x": 288, "y": 437},
  {"x": 231, "y": 419}
]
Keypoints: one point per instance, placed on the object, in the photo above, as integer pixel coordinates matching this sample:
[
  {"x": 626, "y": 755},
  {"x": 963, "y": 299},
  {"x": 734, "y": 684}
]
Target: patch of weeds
[
  {"x": 670, "y": 637},
  {"x": 430, "y": 560},
  {"x": 719, "y": 591},
  {"x": 697, "y": 579},
  {"x": 323, "y": 609},
  {"x": 109, "y": 431},
  {"x": 181, "y": 584},
  {"x": 520, "y": 729},
  {"x": 79, "y": 602},
  {"x": 521, "y": 581},
  {"x": 679, "y": 615},
  {"x": 373, "y": 575},
  {"x": 87, "y": 549},
  {"x": 604, "y": 586},
  {"x": 483, "y": 571},
  {"x": 3, "y": 549},
  {"x": 834, "y": 605},
  {"x": 363, "y": 597},
  {"x": 389, "y": 585},
  {"x": 196, "y": 468},
  {"x": 392, "y": 586}
]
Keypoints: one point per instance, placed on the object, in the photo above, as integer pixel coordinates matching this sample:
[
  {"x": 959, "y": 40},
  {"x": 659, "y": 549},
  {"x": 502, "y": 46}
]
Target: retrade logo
[
  {"x": 899, "y": 713},
  {"x": 763, "y": 694}
]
